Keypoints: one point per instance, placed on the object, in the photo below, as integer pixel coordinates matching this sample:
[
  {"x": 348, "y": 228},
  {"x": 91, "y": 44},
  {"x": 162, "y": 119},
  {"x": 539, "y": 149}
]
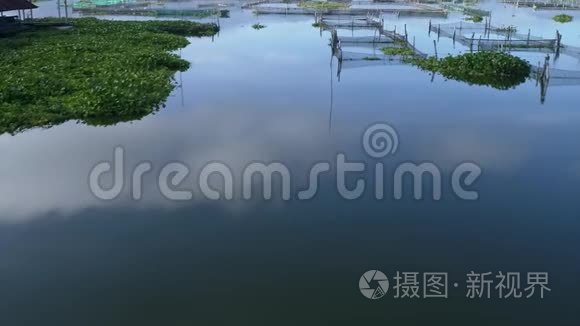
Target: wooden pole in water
[
  {"x": 558, "y": 42},
  {"x": 538, "y": 73},
  {"x": 435, "y": 46},
  {"x": 485, "y": 28},
  {"x": 430, "y": 27},
  {"x": 529, "y": 35},
  {"x": 438, "y": 31},
  {"x": 545, "y": 73},
  {"x": 454, "y": 32},
  {"x": 471, "y": 43}
]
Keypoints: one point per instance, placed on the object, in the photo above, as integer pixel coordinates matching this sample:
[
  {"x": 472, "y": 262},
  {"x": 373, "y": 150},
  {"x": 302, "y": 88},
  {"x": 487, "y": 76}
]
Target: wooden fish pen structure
[
  {"x": 293, "y": 9},
  {"x": 250, "y": 4},
  {"x": 543, "y": 73},
  {"x": 546, "y": 4},
  {"x": 382, "y": 39},
  {"x": 478, "y": 37},
  {"x": 350, "y": 22},
  {"x": 549, "y": 77},
  {"x": 467, "y": 10}
]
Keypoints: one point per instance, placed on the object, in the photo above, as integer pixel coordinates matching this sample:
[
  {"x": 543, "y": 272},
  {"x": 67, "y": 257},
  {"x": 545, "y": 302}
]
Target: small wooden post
[
  {"x": 66, "y": 11},
  {"x": 438, "y": 31},
  {"x": 414, "y": 43},
  {"x": 558, "y": 42},
  {"x": 529, "y": 35},
  {"x": 430, "y": 27},
  {"x": 538, "y": 73},
  {"x": 545, "y": 72},
  {"x": 471, "y": 43},
  {"x": 435, "y": 46},
  {"x": 454, "y": 32}
]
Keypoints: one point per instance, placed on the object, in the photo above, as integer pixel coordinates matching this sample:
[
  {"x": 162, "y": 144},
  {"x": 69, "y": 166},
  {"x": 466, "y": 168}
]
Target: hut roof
[{"x": 9, "y": 5}]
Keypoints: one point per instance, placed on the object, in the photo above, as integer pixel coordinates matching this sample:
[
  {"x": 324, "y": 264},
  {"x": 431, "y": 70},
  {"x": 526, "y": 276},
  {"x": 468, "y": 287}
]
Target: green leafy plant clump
[
  {"x": 402, "y": 51},
  {"x": 258, "y": 26},
  {"x": 323, "y": 5},
  {"x": 495, "y": 69},
  {"x": 98, "y": 72},
  {"x": 563, "y": 18},
  {"x": 475, "y": 18}
]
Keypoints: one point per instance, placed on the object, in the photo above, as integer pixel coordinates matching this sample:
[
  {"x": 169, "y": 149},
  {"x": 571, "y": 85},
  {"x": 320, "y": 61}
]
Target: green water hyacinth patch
[
  {"x": 402, "y": 51},
  {"x": 475, "y": 18},
  {"x": 258, "y": 26},
  {"x": 563, "y": 18},
  {"x": 494, "y": 69},
  {"x": 98, "y": 72},
  {"x": 323, "y": 5}
]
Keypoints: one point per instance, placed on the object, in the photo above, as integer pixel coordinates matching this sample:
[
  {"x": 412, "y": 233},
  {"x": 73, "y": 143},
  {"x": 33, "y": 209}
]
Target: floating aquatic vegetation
[
  {"x": 258, "y": 26},
  {"x": 98, "y": 72},
  {"x": 402, "y": 51},
  {"x": 475, "y": 18},
  {"x": 495, "y": 69},
  {"x": 372, "y": 58},
  {"x": 563, "y": 18},
  {"x": 323, "y": 5}
]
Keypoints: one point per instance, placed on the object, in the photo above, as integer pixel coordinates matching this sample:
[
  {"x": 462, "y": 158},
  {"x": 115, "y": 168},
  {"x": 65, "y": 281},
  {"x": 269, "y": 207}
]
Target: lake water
[{"x": 273, "y": 95}]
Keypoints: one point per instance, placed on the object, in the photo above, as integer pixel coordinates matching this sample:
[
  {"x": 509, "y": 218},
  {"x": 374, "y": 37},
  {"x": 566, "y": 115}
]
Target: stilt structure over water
[
  {"x": 484, "y": 37},
  {"x": 546, "y": 4},
  {"x": 402, "y": 10}
]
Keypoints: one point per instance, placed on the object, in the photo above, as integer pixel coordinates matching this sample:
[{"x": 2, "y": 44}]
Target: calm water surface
[{"x": 67, "y": 258}]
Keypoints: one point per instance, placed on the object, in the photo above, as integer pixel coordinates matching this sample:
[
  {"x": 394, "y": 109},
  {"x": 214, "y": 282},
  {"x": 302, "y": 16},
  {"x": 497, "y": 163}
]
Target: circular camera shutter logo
[{"x": 373, "y": 284}]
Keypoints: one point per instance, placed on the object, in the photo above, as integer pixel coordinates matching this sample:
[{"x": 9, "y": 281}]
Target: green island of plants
[
  {"x": 258, "y": 26},
  {"x": 98, "y": 72},
  {"x": 402, "y": 51},
  {"x": 323, "y": 5},
  {"x": 317, "y": 24},
  {"x": 495, "y": 69},
  {"x": 475, "y": 18},
  {"x": 563, "y": 18}
]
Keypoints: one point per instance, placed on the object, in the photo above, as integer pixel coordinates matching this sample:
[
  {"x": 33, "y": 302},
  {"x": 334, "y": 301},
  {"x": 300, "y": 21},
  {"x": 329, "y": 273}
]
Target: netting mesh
[
  {"x": 99, "y": 3},
  {"x": 486, "y": 37}
]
